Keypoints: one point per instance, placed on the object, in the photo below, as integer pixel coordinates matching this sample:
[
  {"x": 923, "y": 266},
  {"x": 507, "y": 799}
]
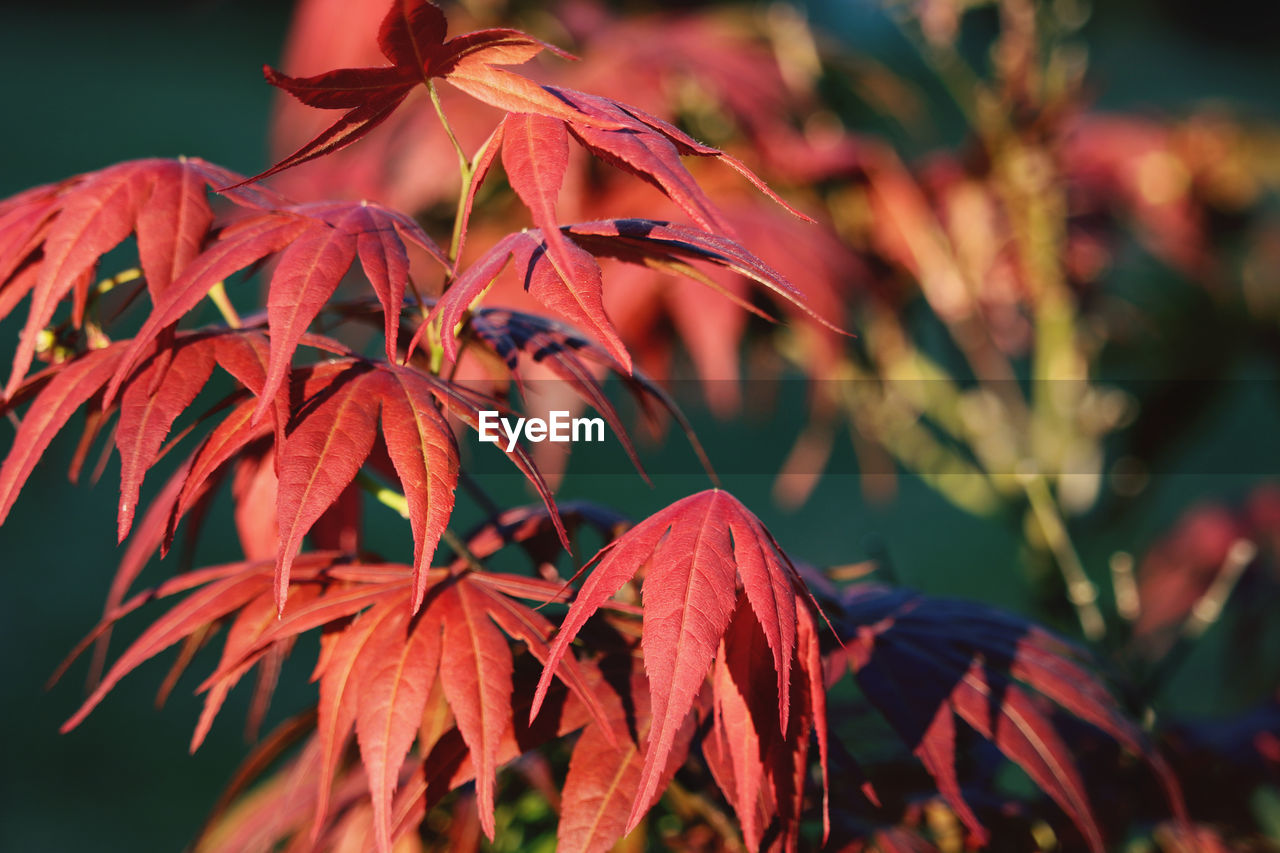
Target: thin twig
[
  {"x": 1081, "y": 592},
  {"x": 1125, "y": 587},
  {"x": 218, "y": 296},
  {"x": 466, "y": 167},
  {"x": 693, "y": 803},
  {"x": 448, "y": 128},
  {"x": 460, "y": 548},
  {"x": 1204, "y": 613},
  {"x": 1208, "y": 609},
  {"x": 389, "y": 497},
  {"x": 386, "y": 496}
]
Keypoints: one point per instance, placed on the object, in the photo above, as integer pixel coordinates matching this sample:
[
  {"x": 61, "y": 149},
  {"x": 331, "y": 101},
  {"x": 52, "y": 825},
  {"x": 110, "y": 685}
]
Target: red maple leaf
[
  {"x": 412, "y": 38},
  {"x": 924, "y": 663},
  {"x": 696, "y": 554}
]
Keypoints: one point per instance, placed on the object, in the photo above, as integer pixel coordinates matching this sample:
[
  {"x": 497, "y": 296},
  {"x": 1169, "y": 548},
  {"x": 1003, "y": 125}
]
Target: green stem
[
  {"x": 218, "y": 296},
  {"x": 386, "y": 496},
  {"x": 460, "y": 548},
  {"x": 1081, "y": 591},
  {"x": 1204, "y": 613},
  {"x": 463, "y": 162},
  {"x": 459, "y": 222},
  {"x": 466, "y": 167},
  {"x": 123, "y": 277},
  {"x": 396, "y": 501}
]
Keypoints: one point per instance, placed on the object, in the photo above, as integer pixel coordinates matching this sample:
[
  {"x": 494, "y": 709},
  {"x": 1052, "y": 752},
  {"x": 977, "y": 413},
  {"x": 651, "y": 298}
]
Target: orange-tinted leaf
[
  {"x": 308, "y": 273},
  {"x": 411, "y": 37},
  {"x": 425, "y": 456},
  {"x": 249, "y": 624},
  {"x": 69, "y": 389},
  {"x": 639, "y": 240},
  {"x": 326, "y": 446},
  {"x": 386, "y": 264},
  {"x": 152, "y": 400},
  {"x": 206, "y": 605},
  {"x": 475, "y": 670},
  {"x": 535, "y": 153},
  {"x": 576, "y": 295},
  {"x": 255, "y": 491},
  {"x": 637, "y": 148},
  {"x": 232, "y": 434},
  {"x": 314, "y": 263},
  {"x": 339, "y": 686},
  {"x": 24, "y": 220},
  {"x": 162, "y": 201},
  {"x": 237, "y": 247},
  {"x": 174, "y": 222},
  {"x": 693, "y": 553},
  {"x": 604, "y": 776},
  {"x": 395, "y": 673},
  {"x": 95, "y": 216},
  {"x": 761, "y": 769}
]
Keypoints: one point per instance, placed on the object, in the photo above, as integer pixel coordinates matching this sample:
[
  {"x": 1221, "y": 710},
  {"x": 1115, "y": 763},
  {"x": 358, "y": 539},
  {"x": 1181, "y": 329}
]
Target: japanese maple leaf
[
  {"x": 650, "y": 148},
  {"x": 216, "y": 593},
  {"x": 761, "y": 769},
  {"x": 696, "y": 554},
  {"x": 535, "y": 155},
  {"x": 378, "y": 668},
  {"x": 52, "y": 238},
  {"x": 656, "y": 306},
  {"x": 605, "y": 772},
  {"x": 316, "y": 245},
  {"x": 926, "y": 662},
  {"x": 579, "y": 296},
  {"x": 150, "y": 401},
  {"x": 412, "y": 38},
  {"x": 334, "y": 432},
  {"x": 378, "y": 677}
]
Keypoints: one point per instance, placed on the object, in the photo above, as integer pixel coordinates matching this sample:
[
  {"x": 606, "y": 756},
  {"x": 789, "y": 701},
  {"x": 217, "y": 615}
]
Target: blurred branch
[
  {"x": 1204, "y": 613},
  {"x": 1081, "y": 592}
]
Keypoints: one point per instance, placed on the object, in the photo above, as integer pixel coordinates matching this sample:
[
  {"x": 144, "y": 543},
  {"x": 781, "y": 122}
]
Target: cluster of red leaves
[
  {"x": 651, "y": 301},
  {"x": 441, "y": 674},
  {"x": 926, "y": 664},
  {"x": 417, "y": 662}
]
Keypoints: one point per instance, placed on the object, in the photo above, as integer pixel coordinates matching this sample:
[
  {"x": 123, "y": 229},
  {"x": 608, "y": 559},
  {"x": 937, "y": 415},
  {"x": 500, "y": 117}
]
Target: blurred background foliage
[{"x": 1147, "y": 490}]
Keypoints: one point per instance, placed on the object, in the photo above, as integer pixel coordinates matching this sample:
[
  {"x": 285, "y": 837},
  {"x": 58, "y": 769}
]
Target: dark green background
[{"x": 86, "y": 85}]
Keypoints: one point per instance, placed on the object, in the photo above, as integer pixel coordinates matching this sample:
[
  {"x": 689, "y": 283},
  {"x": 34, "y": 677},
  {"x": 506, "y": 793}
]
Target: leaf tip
[
  {"x": 543, "y": 683},
  {"x": 124, "y": 521}
]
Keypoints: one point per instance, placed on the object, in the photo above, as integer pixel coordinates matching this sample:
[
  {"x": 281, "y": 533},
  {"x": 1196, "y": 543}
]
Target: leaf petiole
[
  {"x": 1081, "y": 592},
  {"x": 394, "y": 500},
  {"x": 386, "y": 496},
  {"x": 218, "y": 296},
  {"x": 463, "y": 163}
]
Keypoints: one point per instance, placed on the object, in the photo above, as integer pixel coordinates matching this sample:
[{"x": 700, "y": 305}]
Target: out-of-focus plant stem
[
  {"x": 394, "y": 500},
  {"x": 218, "y": 296},
  {"x": 1206, "y": 611},
  {"x": 1081, "y": 592}
]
